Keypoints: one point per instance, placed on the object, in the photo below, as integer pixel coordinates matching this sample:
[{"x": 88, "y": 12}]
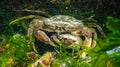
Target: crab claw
[{"x": 41, "y": 36}]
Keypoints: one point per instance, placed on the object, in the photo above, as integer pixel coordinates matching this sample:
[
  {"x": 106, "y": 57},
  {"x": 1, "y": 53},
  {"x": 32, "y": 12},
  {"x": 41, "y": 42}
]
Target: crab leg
[
  {"x": 87, "y": 42},
  {"x": 98, "y": 27},
  {"x": 23, "y": 18},
  {"x": 40, "y": 35},
  {"x": 55, "y": 39},
  {"x": 94, "y": 37}
]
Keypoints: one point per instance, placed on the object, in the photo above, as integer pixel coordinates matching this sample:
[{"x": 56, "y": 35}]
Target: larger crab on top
[{"x": 66, "y": 29}]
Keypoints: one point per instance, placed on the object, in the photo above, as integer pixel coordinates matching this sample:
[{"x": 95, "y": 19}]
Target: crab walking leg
[
  {"x": 34, "y": 11},
  {"x": 55, "y": 39},
  {"x": 99, "y": 29},
  {"x": 35, "y": 24},
  {"x": 94, "y": 37},
  {"x": 90, "y": 37},
  {"x": 87, "y": 42},
  {"x": 41, "y": 36},
  {"x": 23, "y": 18}
]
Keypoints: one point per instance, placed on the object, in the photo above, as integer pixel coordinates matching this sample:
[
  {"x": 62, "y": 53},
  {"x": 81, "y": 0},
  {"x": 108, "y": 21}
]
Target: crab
[{"x": 65, "y": 29}]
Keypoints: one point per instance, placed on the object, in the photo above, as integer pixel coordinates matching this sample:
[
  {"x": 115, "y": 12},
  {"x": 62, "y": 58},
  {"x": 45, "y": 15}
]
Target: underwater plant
[
  {"x": 99, "y": 54},
  {"x": 15, "y": 51}
]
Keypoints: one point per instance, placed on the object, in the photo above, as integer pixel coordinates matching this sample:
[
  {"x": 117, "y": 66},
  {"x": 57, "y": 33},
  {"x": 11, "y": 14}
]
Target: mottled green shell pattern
[{"x": 63, "y": 21}]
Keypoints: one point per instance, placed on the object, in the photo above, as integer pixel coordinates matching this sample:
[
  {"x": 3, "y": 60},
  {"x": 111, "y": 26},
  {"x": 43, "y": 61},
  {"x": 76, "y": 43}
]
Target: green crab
[{"x": 65, "y": 29}]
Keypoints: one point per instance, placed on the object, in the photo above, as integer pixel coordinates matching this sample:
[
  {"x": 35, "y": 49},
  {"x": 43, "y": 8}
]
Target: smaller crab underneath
[{"x": 65, "y": 28}]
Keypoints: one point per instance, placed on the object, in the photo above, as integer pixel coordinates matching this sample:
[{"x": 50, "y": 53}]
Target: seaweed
[
  {"x": 15, "y": 50},
  {"x": 100, "y": 57}
]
